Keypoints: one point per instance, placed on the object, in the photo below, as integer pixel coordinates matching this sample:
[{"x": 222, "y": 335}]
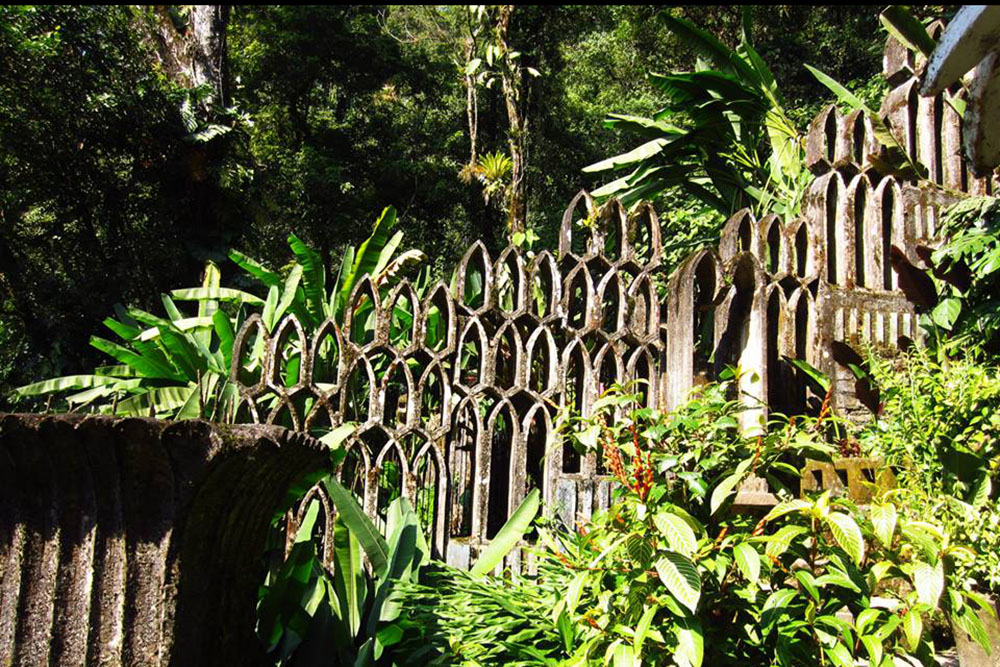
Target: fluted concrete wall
[{"x": 135, "y": 541}]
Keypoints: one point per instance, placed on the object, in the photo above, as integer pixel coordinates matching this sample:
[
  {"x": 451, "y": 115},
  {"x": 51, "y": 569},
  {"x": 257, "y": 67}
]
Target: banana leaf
[
  {"x": 509, "y": 535},
  {"x": 216, "y": 294},
  {"x": 358, "y": 522},
  {"x": 224, "y": 330},
  {"x": 255, "y": 269},
  {"x": 149, "y": 367},
  {"x": 66, "y": 383},
  {"x": 707, "y": 45},
  {"x": 124, "y": 331},
  {"x": 288, "y": 292},
  {"x": 182, "y": 325},
  {"x": 207, "y": 308},
  {"x": 338, "y": 297},
  {"x": 313, "y": 277},
  {"x": 156, "y": 401},
  {"x": 368, "y": 255},
  {"x": 632, "y": 157}
]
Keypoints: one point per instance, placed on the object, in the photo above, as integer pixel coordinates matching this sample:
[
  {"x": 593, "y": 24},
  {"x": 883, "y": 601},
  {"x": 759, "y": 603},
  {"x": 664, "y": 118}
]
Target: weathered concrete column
[{"x": 136, "y": 541}]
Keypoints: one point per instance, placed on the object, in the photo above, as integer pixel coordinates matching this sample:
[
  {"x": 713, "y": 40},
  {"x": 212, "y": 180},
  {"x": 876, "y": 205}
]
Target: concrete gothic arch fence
[{"x": 520, "y": 337}]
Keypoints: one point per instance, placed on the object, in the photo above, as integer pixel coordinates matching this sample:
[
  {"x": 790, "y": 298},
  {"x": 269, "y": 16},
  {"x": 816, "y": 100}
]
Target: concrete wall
[{"x": 134, "y": 541}]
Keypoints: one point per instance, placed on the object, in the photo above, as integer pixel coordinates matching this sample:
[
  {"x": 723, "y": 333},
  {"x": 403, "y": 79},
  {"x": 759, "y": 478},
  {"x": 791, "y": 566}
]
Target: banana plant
[
  {"x": 178, "y": 366},
  {"x": 723, "y": 137},
  {"x": 309, "y": 613},
  {"x": 175, "y": 366}
]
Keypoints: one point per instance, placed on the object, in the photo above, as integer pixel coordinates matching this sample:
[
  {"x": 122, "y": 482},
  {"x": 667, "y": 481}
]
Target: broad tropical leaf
[
  {"x": 679, "y": 535},
  {"x": 509, "y": 535},
  {"x": 748, "y": 560},
  {"x": 847, "y": 534},
  {"x": 256, "y": 269},
  {"x": 883, "y": 517},
  {"x": 313, "y": 277},
  {"x": 690, "y": 643},
  {"x": 360, "y": 525},
  {"x": 216, "y": 294},
  {"x": 681, "y": 578},
  {"x": 928, "y": 580},
  {"x": 723, "y": 490},
  {"x": 67, "y": 383}
]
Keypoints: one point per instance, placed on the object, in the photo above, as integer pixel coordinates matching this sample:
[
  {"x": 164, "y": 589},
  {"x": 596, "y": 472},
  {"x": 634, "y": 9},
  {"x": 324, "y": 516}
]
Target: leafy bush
[
  {"x": 940, "y": 429},
  {"x": 939, "y": 422},
  {"x": 675, "y": 573},
  {"x": 968, "y": 266}
]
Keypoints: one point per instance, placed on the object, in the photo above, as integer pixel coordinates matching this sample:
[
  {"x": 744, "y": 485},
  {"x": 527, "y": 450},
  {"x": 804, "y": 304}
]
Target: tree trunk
[
  {"x": 471, "y": 103},
  {"x": 517, "y": 133},
  {"x": 193, "y": 52}
]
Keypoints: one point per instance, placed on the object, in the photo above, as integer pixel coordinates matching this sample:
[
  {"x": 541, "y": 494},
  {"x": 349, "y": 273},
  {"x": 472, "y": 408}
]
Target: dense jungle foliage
[{"x": 115, "y": 161}]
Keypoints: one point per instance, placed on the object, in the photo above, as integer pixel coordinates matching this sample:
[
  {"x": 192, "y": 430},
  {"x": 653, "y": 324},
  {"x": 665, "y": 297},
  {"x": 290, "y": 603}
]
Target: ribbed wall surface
[{"x": 137, "y": 542}]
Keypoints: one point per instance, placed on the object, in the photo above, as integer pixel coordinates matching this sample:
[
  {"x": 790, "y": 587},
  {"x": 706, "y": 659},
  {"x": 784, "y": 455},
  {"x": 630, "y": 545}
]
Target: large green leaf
[
  {"x": 197, "y": 402},
  {"x": 968, "y": 621},
  {"x": 172, "y": 311},
  {"x": 724, "y": 490},
  {"x": 508, "y": 536},
  {"x": 883, "y": 516},
  {"x": 913, "y": 628},
  {"x": 779, "y": 543},
  {"x": 407, "y": 553},
  {"x": 679, "y": 534},
  {"x": 185, "y": 324},
  {"x": 224, "y": 330},
  {"x": 125, "y": 331},
  {"x": 216, "y": 294},
  {"x": 313, "y": 277},
  {"x": 847, "y": 534},
  {"x": 358, "y": 522},
  {"x": 900, "y": 22},
  {"x": 844, "y": 96},
  {"x": 292, "y": 595},
  {"x": 255, "y": 268},
  {"x": 690, "y": 642},
  {"x": 211, "y": 280},
  {"x": 928, "y": 580},
  {"x": 399, "y": 265},
  {"x": 156, "y": 401},
  {"x": 369, "y": 253},
  {"x": 148, "y": 367},
  {"x": 654, "y": 129},
  {"x": 385, "y": 255},
  {"x": 817, "y": 377},
  {"x": 775, "y": 606},
  {"x": 681, "y": 578},
  {"x": 787, "y": 507},
  {"x": 642, "y": 627},
  {"x": 183, "y": 354},
  {"x": 632, "y": 157},
  {"x": 288, "y": 292},
  {"x": 710, "y": 47},
  {"x": 748, "y": 560},
  {"x": 345, "y": 283},
  {"x": 66, "y": 383}
]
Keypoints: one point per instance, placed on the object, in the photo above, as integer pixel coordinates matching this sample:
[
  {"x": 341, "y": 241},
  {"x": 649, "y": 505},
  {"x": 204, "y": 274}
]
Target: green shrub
[
  {"x": 675, "y": 573},
  {"x": 940, "y": 429}
]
